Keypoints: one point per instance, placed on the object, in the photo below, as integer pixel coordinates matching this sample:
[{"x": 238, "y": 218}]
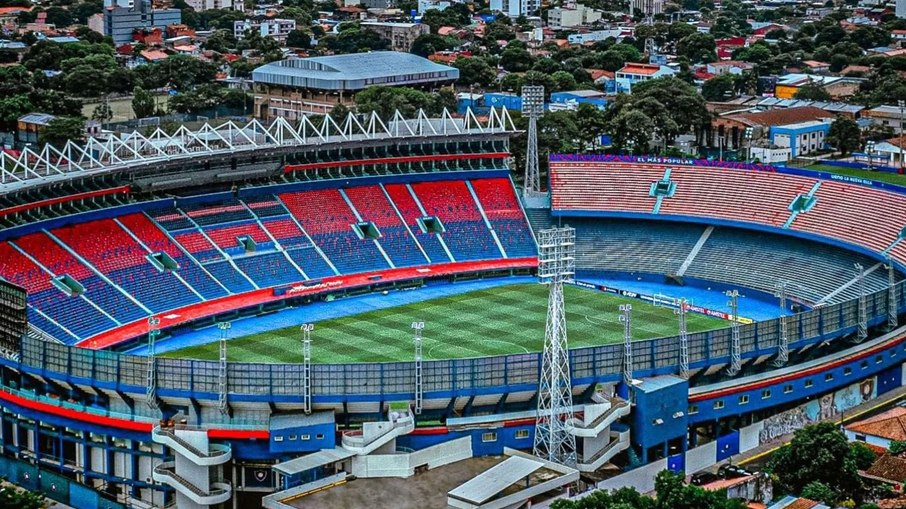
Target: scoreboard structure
[{"x": 13, "y": 317}]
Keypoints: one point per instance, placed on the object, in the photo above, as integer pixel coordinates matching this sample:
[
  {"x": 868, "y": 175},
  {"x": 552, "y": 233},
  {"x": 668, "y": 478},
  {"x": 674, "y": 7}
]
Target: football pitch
[{"x": 501, "y": 320}]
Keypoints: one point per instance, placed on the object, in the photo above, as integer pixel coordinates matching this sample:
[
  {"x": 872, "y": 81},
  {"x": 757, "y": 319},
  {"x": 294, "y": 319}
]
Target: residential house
[
  {"x": 887, "y": 115},
  {"x": 790, "y": 502},
  {"x": 735, "y": 67},
  {"x": 572, "y": 15},
  {"x": 879, "y": 430},
  {"x": 632, "y": 73},
  {"x": 728, "y": 130},
  {"x": 275, "y": 28}
]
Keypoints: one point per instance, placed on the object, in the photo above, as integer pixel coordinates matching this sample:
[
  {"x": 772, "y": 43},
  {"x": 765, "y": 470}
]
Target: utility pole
[{"x": 735, "y": 354}]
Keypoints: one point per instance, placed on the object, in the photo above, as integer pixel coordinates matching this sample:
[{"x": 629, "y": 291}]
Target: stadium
[{"x": 253, "y": 314}]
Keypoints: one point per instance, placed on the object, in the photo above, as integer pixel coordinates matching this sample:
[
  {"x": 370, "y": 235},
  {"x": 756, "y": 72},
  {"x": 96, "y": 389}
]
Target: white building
[
  {"x": 879, "y": 430},
  {"x": 275, "y": 28},
  {"x": 572, "y": 15},
  {"x": 515, "y": 8},
  {"x": 647, "y": 7},
  {"x": 206, "y": 5},
  {"x": 426, "y": 5},
  {"x": 901, "y": 9}
]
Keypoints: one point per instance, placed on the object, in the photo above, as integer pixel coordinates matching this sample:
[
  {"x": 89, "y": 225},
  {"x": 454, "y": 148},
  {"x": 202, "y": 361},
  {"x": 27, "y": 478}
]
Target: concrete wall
[{"x": 404, "y": 465}]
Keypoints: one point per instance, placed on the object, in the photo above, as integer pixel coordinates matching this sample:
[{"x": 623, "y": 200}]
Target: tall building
[
  {"x": 206, "y": 5},
  {"x": 275, "y": 28},
  {"x": 400, "y": 35},
  {"x": 123, "y": 17},
  {"x": 514, "y": 8}
]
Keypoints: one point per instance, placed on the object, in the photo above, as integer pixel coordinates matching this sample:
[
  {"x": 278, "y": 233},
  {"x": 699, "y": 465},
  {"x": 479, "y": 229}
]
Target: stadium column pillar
[{"x": 735, "y": 354}]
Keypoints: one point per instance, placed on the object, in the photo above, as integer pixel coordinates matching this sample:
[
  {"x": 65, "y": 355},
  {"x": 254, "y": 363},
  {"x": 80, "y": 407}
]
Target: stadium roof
[
  {"x": 314, "y": 460},
  {"x": 496, "y": 479},
  {"x": 354, "y": 72}
]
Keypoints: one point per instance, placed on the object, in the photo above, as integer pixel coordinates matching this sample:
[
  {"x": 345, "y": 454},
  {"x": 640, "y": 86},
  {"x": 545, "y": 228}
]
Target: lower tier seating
[{"x": 268, "y": 269}]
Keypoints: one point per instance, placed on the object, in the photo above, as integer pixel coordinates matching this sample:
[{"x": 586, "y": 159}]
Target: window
[
  {"x": 879, "y": 359},
  {"x": 860, "y": 438},
  {"x": 828, "y": 377},
  {"x": 847, "y": 371},
  {"x": 693, "y": 409},
  {"x": 744, "y": 399},
  {"x": 809, "y": 382},
  {"x": 278, "y": 438},
  {"x": 306, "y": 437},
  {"x": 787, "y": 389},
  {"x": 319, "y": 436},
  {"x": 863, "y": 364},
  {"x": 765, "y": 394},
  {"x": 522, "y": 433},
  {"x": 293, "y": 437},
  {"x": 489, "y": 437},
  {"x": 718, "y": 404}
]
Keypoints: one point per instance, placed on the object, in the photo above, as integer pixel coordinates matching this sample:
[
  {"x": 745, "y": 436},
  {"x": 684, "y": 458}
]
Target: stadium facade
[{"x": 198, "y": 228}]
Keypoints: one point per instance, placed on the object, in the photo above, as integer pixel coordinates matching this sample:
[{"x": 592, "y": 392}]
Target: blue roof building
[
  {"x": 801, "y": 138},
  {"x": 301, "y": 86}
]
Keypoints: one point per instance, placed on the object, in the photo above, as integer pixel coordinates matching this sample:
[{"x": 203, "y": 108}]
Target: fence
[
  {"x": 388, "y": 381},
  {"x": 54, "y": 486}
]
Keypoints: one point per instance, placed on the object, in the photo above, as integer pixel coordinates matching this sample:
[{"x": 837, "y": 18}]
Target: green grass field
[
  {"x": 880, "y": 176},
  {"x": 501, "y": 320}
]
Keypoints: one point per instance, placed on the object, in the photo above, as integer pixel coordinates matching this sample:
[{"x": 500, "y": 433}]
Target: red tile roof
[
  {"x": 890, "y": 424},
  {"x": 634, "y": 68},
  {"x": 781, "y": 116},
  {"x": 888, "y": 468},
  {"x": 802, "y": 503}
]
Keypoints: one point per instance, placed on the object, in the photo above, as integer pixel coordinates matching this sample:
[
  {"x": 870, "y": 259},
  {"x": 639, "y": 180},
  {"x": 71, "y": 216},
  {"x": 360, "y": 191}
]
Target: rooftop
[
  {"x": 354, "y": 71},
  {"x": 888, "y": 468},
  {"x": 783, "y": 116},
  {"x": 634, "y": 68},
  {"x": 890, "y": 424}
]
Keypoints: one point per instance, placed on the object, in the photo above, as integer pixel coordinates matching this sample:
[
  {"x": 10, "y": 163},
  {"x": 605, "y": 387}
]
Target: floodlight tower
[
  {"x": 862, "y": 334},
  {"x": 626, "y": 318},
  {"x": 684, "y": 340},
  {"x": 533, "y": 108},
  {"x": 891, "y": 293},
  {"x": 419, "y": 388},
  {"x": 783, "y": 339},
  {"x": 306, "y": 329},
  {"x": 222, "y": 378},
  {"x": 151, "y": 389},
  {"x": 556, "y": 265},
  {"x": 735, "y": 355}
]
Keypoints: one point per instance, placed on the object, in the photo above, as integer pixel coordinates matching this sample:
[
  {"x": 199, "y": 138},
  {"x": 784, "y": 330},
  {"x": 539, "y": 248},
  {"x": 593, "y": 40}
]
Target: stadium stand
[
  {"x": 466, "y": 234},
  {"x": 372, "y": 205},
  {"x": 750, "y": 196},
  {"x": 113, "y": 252},
  {"x": 265, "y": 206},
  {"x": 157, "y": 241},
  {"x": 327, "y": 218},
  {"x": 286, "y": 232},
  {"x": 603, "y": 186},
  {"x": 74, "y": 313},
  {"x": 229, "y": 276},
  {"x": 227, "y": 236},
  {"x": 268, "y": 269},
  {"x": 762, "y": 260},
  {"x": 59, "y": 262},
  {"x": 502, "y": 208},
  {"x": 411, "y": 212},
  {"x": 211, "y": 214},
  {"x": 170, "y": 218},
  {"x": 841, "y": 212},
  {"x": 197, "y": 245}
]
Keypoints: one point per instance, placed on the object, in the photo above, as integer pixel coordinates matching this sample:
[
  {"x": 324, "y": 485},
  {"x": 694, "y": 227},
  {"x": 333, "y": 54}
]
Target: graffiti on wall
[{"x": 829, "y": 406}]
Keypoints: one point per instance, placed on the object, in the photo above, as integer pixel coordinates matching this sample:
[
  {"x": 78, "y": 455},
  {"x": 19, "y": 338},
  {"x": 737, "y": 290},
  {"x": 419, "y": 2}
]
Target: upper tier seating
[
  {"x": 227, "y": 236},
  {"x": 593, "y": 186},
  {"x": 465, "y": 232},
  {"x": 76, "y": 314},
  {"x": 328, "y": 220},
  {"x": 410, "y": 211},
  {"x": 857, "y": 214},
  {"x": 224, "y": 212},
  {"x": 155, "y": 239},
  {"x": 287, "y": 233},
  {"x": 396, "y": 240},
  {"x": 265, "y": 206},
  {"x": 60, "y": 262},
  {"x": 501, "y": 207},
  {"x": 198, "y": 245},
  {"x": 170, "y": 218},
  {"x": 112, "y": 251}
]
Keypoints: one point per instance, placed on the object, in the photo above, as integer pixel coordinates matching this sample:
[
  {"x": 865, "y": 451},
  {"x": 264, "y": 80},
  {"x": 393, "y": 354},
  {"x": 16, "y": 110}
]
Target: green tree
[
  {"x": 844, "y": 135},
  {"x": 11, "y": 108},
  {"x": 819, "y": 492},
  {"x": 15, "y": 498},
  {"x": 697, "y": 48},
  {"x": 862, "y": 455},
  {"x": 475, "y": 71},
  {"x": 817, "y": 453},
  {"x": 897, "y": 447},
  {"x": 563, "y": 81},
  {"x": 719, "y": 88},
  {"x": 428, "y": 44},
  {"x": 142, "y": 103},
  {"x": 353, "y": 39},
  {"x": 515, "y": 60},
  {"x": 298, "y": 39},
  {"x": 102, "y": 112},
  {"x": 62, "y": 129}
]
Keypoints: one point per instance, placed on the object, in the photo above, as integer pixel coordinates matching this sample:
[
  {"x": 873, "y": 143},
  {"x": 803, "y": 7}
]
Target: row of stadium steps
[
  {"x": 838, "y": 210},
  {"x": 503, "y": 212},
  {"x": 402, "y": 197},
  {"x": 840, "y": 213},
  {"x": 813, "y": 272},
  {"x": 465, "y": 232},
  {"x": 740, "y": 256},
  {"x": 372, "y": 204},
  {"x": 30, "y": 197},
  {"x": 112, "y": 251}
]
